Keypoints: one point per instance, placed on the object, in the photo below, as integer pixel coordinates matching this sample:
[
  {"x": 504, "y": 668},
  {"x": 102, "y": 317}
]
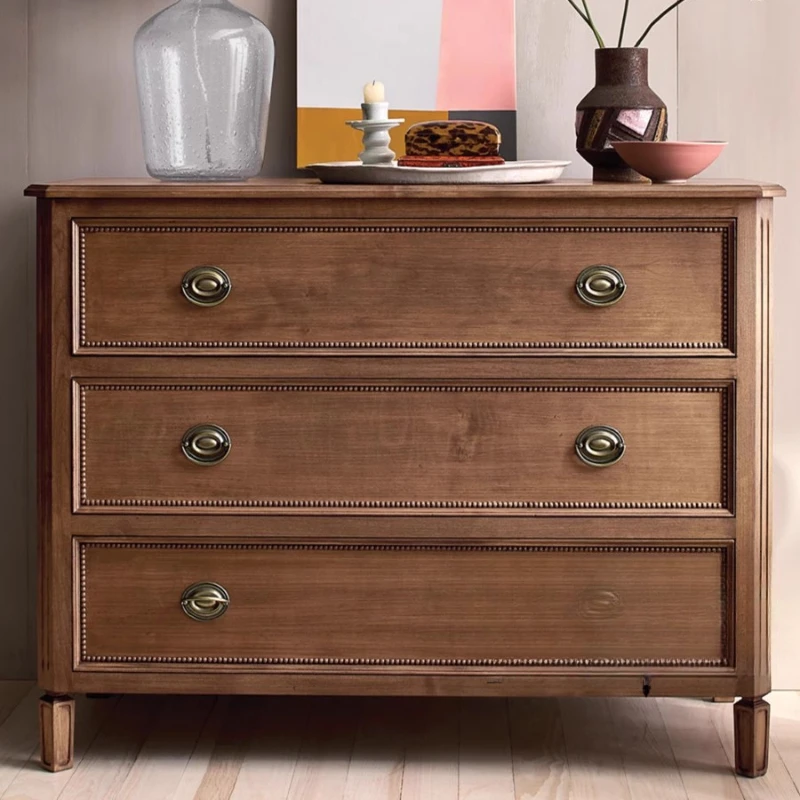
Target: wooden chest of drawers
[{"x": 306, "y": 439}]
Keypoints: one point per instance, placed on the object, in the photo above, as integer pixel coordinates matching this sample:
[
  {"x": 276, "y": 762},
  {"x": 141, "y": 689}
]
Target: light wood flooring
[{"x": 243, "y": 748}]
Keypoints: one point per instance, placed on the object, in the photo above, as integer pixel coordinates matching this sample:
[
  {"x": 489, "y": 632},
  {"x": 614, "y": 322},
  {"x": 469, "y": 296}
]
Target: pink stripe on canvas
[{"x": 477, "y": 65}]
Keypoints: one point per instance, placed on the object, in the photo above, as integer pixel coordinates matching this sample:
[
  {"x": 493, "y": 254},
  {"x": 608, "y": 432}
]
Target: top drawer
[{"x": 408, "y": 288}]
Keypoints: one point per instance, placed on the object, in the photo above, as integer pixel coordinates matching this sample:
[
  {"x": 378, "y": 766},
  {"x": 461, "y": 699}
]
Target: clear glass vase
[{"x": 204, "y": 72}]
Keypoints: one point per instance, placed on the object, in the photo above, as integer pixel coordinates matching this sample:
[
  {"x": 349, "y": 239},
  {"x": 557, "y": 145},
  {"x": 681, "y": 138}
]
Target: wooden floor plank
[
  {"x": 538, "y": 751},
  {"x": 595, "y": 762},
  {"x": 271, "y": 756},
  {"x": 376, "y": 766},
  {"x": 167, "y": 750},
  {"x": 650, "y": 766},
  {"x": 230, "y": 749},
  {"x": 11, "y": 695},
  {"x": 484, "y": 758},
  {"x": 477, "y": 749},
  {"x": 431, "y": 761},
  {"x": 192, "y": 777},
  {"x": 19, "y": 737},
  {"x": 777, "y": 784},
  {"x": 704, "y": 767},
  {"x": 34, "y": 783},
  {"x": 106, "y": 765},
  {"x": 324, "y": 758},
  {"x": 785, "y": 726},
  {"x": 785, "y": 705}
]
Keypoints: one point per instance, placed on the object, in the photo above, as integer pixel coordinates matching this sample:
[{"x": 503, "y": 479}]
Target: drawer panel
[
  {"x": 393, "y": 448},
  {"x": 398, "y": 289},
  {"x": 388, "y": 606}
]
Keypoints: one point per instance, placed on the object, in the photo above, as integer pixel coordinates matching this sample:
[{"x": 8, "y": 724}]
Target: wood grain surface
[
  {"x": 57, "y": 727},
  {"x": 397, "y": 605},
  {"x": 394, "y": 288},
  {"x": 265, "y": 188},
  {"x": 416, "y": 523},
  {"x": 434, "y": 446},
  {"x": 152, "y": 748}
]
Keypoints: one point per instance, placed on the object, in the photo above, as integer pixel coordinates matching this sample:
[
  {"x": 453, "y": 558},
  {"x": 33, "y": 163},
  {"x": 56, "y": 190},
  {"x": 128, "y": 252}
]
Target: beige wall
[
  {"x": 740, "y": 72},
  {"x": 68, "y": 109}
]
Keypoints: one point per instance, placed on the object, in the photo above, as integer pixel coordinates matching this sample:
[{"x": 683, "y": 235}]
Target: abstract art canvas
[{"x": 439, "y": 59}]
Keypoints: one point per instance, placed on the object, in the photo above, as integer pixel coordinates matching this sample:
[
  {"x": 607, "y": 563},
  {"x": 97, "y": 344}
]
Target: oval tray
[{"x": 510, "y": 172}]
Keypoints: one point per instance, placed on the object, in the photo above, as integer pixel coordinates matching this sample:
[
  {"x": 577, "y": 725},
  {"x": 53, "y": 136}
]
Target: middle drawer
[{"x": 432, "y": 448}]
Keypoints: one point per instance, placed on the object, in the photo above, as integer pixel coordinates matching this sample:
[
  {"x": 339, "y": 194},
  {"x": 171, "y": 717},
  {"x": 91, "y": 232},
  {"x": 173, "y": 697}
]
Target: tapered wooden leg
[
  {"x": 57, "y": 731},
  {"x": 751, "y": 726}
]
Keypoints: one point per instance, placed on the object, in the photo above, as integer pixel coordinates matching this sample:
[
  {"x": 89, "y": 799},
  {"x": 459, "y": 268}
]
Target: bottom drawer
[{"x": 376, "y": 606}]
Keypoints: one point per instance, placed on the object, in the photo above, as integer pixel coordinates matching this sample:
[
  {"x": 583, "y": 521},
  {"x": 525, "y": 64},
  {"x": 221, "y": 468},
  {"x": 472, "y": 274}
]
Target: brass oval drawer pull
[
  {"x": 206, "y": 444},
  {"x": 600, "y": 285},
  {"x": 600, "y": 446},
  {"x": 206, "y": 286},
  {"x": 205, "y": 601}
]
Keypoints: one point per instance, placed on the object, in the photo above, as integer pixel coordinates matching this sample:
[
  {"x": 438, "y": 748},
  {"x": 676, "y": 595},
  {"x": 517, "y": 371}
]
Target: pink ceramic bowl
[{"x": 669, "y": 162}]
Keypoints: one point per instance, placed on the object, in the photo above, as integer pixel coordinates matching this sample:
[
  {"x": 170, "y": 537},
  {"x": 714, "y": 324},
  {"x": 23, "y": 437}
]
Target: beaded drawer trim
[
  {"x": 87, "y": 502},
  {"x": 727, "y": 230},
  {"x": 722, "y": 550}
]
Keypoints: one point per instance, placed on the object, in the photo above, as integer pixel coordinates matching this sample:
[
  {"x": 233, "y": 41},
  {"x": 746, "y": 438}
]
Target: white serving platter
[{"x": 510, "y": 172}]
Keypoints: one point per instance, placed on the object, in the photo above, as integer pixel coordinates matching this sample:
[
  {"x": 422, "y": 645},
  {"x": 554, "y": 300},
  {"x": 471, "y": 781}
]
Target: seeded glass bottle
[{"x": 204, "y": 72}]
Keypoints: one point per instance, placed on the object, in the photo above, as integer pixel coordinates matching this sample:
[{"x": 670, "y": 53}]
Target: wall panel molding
[
  {"x": 69, "y": 109},
  {"x": 16, "y": 333},
  {"x": 747, "y": 94}
]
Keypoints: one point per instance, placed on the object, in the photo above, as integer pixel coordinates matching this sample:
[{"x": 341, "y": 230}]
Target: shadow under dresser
[{"x": 306, "y": 439}]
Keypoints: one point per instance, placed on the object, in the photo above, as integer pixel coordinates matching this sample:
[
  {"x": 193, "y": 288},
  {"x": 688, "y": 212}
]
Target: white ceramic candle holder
[
  {"x": 375, "y": 112},
  {"x": 375, "y": 128}
]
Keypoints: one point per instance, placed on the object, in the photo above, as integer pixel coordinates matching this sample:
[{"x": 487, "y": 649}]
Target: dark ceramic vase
[{"x": 621, "y": 108}]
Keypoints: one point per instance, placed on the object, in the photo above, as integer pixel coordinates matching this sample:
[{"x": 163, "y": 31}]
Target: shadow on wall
[
  {"x": 786, "y": 456},
  {"x": 17, "y": 410},
  {"x": 786, "y": 556},
  {"x": 17, "y": 332},
  {"x": 280, "y": 16}
]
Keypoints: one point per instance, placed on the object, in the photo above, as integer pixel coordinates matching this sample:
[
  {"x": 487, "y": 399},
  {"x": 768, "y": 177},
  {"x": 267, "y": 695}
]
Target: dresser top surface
[{"x": 310, "y": 189}]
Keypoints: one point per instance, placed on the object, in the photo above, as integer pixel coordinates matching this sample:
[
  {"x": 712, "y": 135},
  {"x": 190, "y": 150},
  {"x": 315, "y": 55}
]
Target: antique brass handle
[
  {"x": 600, "y": 285},
  {"x": 205, "y": 601},
  {"x": 600, "y": 446},
  {"x": 206, "y": 286},
  {"x": 206, "y": 444}
]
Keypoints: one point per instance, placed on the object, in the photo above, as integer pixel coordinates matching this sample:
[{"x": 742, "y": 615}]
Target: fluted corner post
[
  {"x": 751, "y": 726},
  {"x": 57, "y": 731}
]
